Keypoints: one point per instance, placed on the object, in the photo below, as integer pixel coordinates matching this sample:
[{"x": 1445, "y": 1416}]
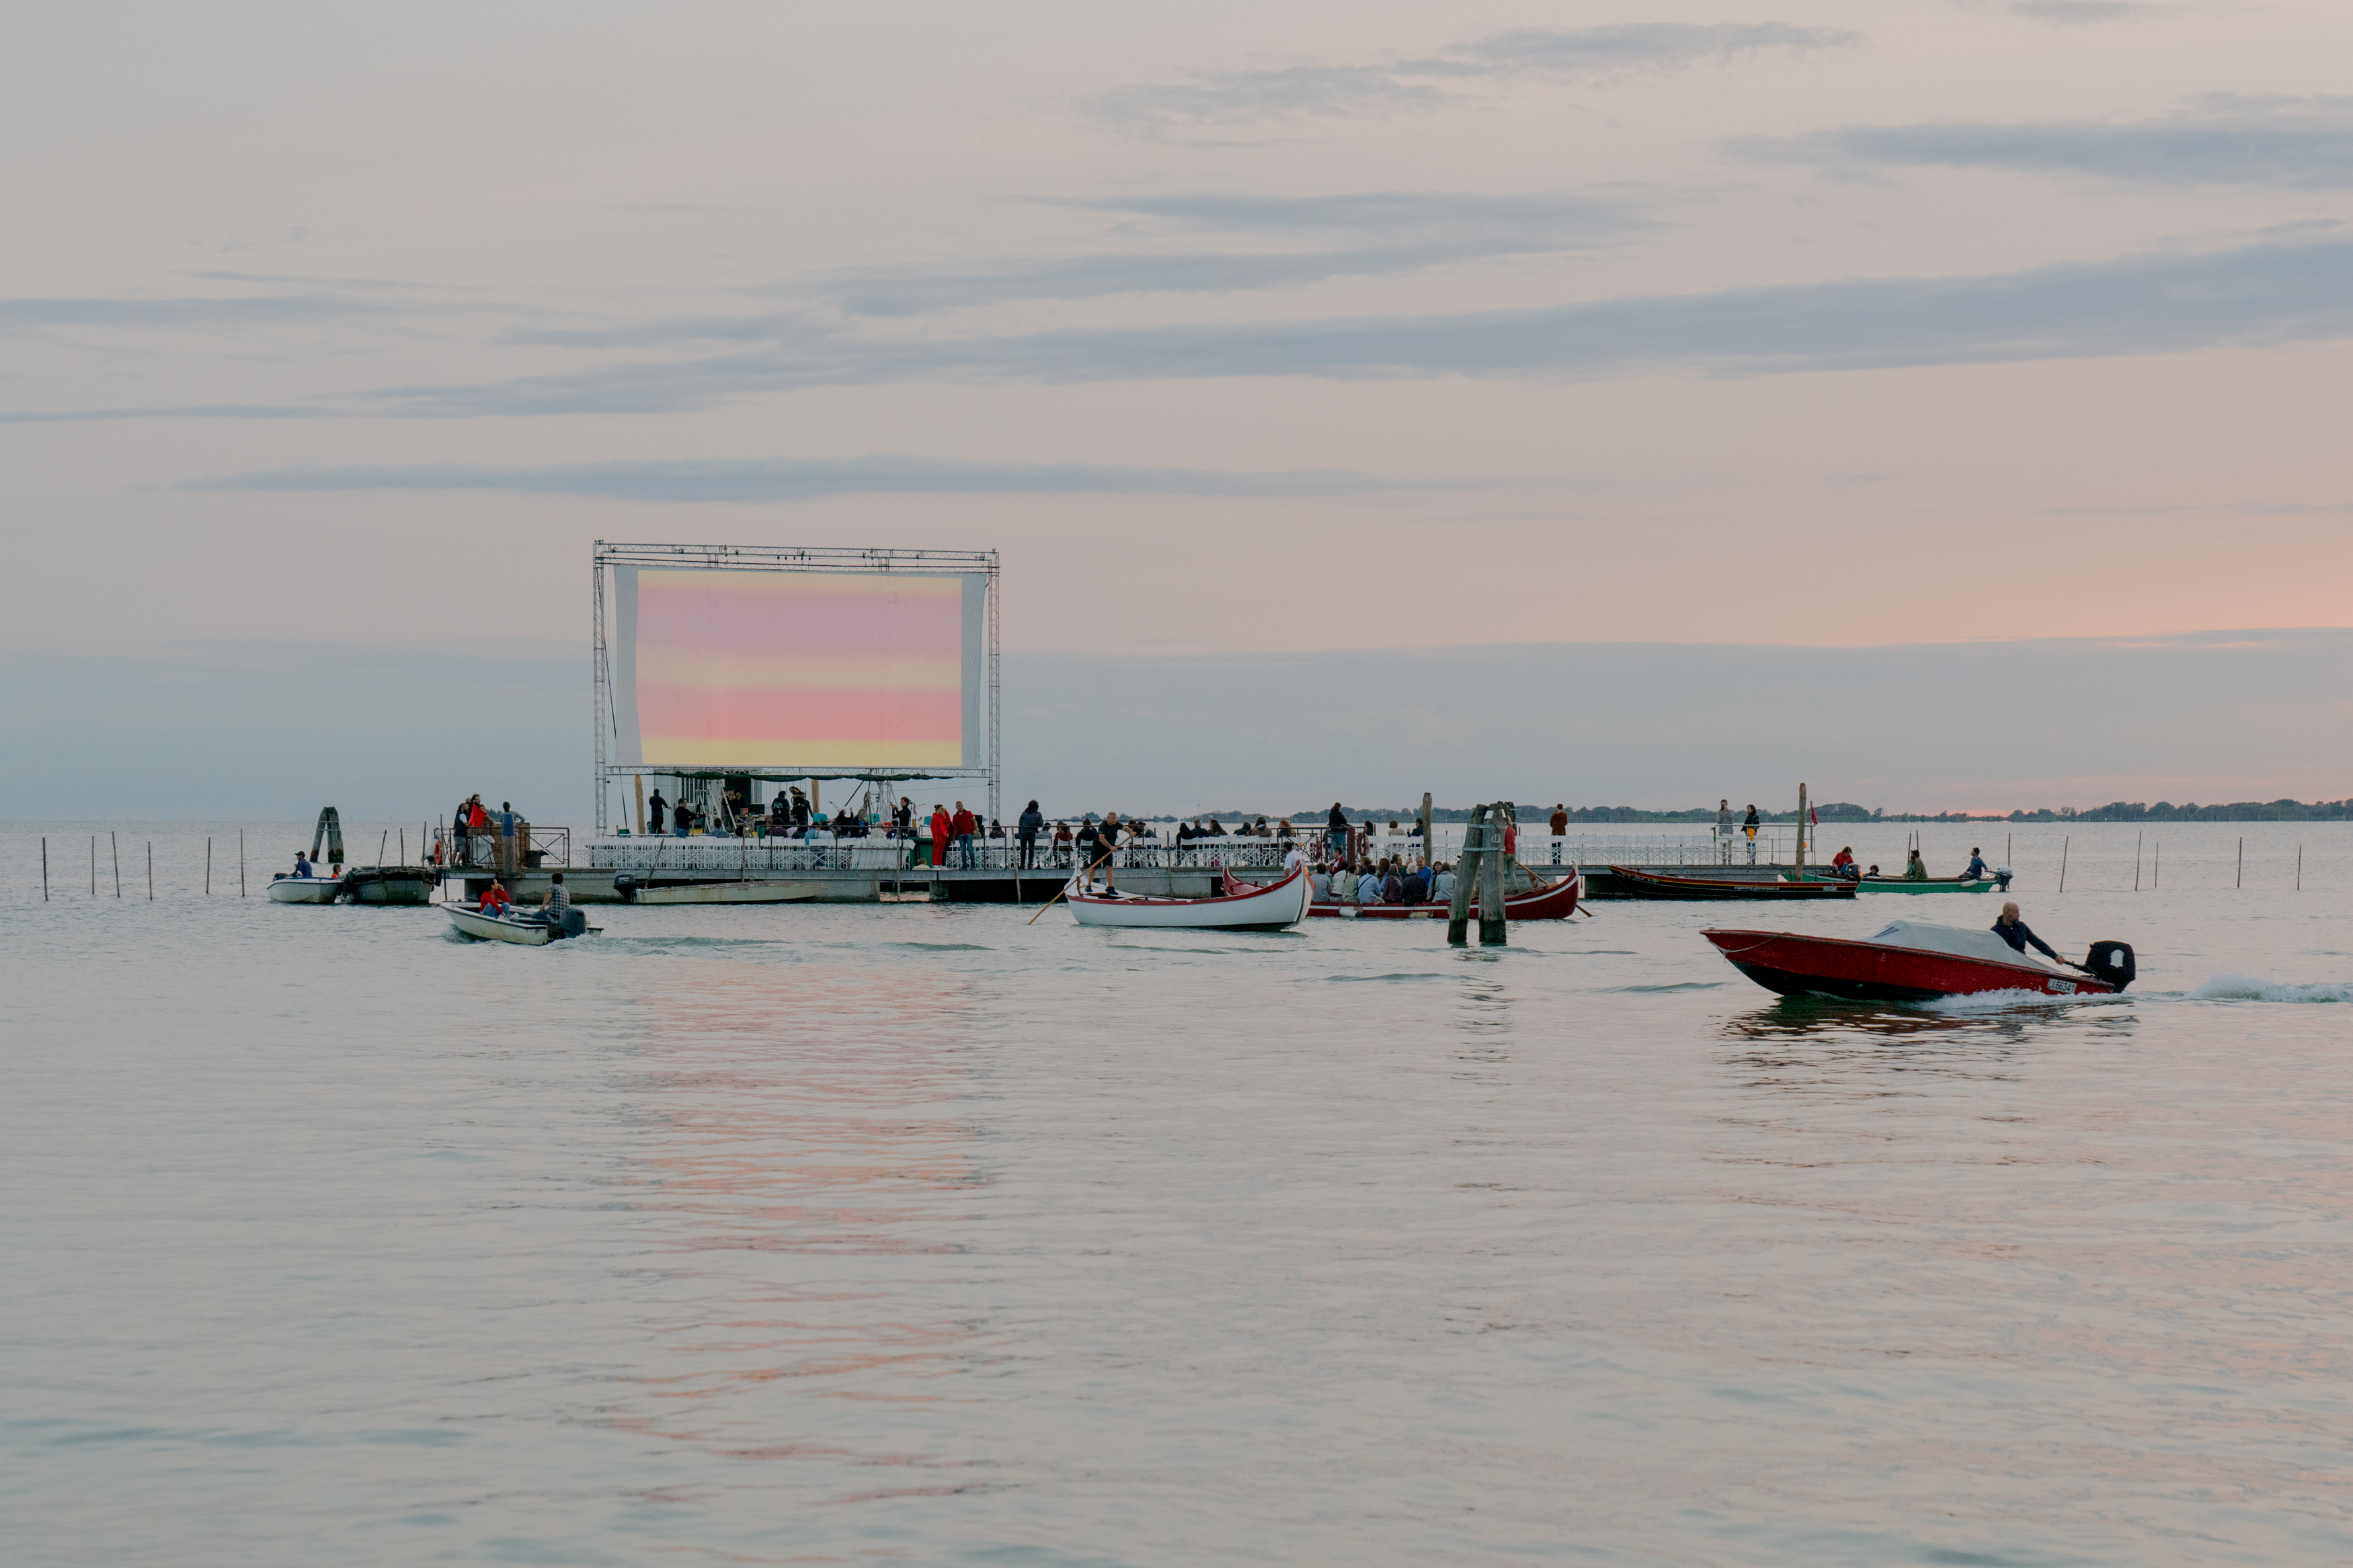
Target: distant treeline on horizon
[{"x": 1846, "y": 811}]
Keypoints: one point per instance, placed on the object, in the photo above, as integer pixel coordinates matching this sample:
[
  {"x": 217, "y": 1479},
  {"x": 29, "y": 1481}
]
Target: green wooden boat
[{"x": 1898, "y": 885}]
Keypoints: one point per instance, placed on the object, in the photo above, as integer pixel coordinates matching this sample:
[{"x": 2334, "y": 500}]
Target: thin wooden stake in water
[
  {"x": 151, "y": 870},
  {"x": 2299, "y": 868},
  {"x": 94, "y": 865},
  {"x": 1802, "y": 832},
  {"x": 2155, "y": 863},
  {"x": 2062, "y": 865},
  {"x": 45, "y": 867},
  {"x": 208, "y": 864},
  {"x": 114, "y": 848},
  {"x": 2137, "y": 838},
  {"x": 240, "y": 862},
  {"x": 2241, "y": 880}
]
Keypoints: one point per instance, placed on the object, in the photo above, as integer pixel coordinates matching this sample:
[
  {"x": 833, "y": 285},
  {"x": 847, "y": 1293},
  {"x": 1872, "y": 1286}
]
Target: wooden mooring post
[
  {"x": 1490, "y": 876},
  {"x": 1457, "y": 914}
]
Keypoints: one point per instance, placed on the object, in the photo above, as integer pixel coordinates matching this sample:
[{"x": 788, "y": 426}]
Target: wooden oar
[{"x": 1057, "y": 899}]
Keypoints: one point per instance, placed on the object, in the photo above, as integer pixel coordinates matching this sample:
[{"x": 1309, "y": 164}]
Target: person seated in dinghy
[
  {"x": 2020, "y": 935},
  {"x": 555, "y": 904},
  {"x": 1976, "y": 868},
  {"x": 497, "y": 901},
  {"x": 302, "y": 866},
  {"x": 1842, "y": 864},
  {"x": 1914, "y": 868}
]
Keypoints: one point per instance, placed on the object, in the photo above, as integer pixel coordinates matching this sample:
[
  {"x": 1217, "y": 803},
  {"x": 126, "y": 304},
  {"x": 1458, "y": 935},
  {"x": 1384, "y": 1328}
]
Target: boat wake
[
  {"x": 2250, "y": 988},
  {"x": 2005, "y": 1001}
]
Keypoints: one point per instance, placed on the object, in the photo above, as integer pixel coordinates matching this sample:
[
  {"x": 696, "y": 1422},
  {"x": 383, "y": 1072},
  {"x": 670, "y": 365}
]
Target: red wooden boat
[
  {"x": 1550, "y": 901},
  {"x": 1908, "y": 961}
]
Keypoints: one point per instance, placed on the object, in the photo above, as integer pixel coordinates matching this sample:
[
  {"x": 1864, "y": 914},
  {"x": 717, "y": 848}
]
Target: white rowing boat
[
  {"x": 305, "y": 889},
  {"x": 1278, "y": 905},
  {"x": 525, "y": 931}
]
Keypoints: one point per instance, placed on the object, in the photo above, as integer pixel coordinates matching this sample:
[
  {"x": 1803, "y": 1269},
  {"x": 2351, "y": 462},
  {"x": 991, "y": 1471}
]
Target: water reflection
[
  {"x": 1483, "y": 1006},
  {"x": 805, "y": 1134}
]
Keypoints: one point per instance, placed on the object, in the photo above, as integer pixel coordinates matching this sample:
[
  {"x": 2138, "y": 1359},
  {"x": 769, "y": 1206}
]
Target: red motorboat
[
  {"x": 1547, "y": 901},
  {"x": 1908, "y": 961}
]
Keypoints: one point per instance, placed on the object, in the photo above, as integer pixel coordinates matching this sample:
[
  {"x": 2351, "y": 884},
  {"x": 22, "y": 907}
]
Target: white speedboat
[
  {"x": 1278, "y": 905},
  {"x": 523, "y": 929},
  {"x": 305, "y": 889}
]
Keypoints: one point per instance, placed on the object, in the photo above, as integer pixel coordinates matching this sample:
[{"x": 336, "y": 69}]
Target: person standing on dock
[
  {"x": 1749, "y": 827},
  {"x": 1031, "y": 822},
  {"x": 658, "y": 813},
  {"x": 962, "y": 827},
  {"x": 939, "y": 834},
  {"x": 681, "y": 819},
  {"x": 1724, "y": 829},
  {"x": 1335, "y": 835},
  {"x": 1559, "y": 823}
]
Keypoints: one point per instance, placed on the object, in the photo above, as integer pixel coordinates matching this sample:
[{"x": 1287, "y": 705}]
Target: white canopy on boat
[{"x": 1958, "y": 941}]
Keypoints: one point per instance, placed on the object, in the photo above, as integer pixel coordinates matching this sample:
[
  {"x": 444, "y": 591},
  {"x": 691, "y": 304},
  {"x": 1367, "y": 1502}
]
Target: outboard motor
[
  {"x": 2111, "y": 961},
  {"x": 2001, "y": 875},
  {"x": 625, "y": 887},
  {"x": 576, "y": 923}
]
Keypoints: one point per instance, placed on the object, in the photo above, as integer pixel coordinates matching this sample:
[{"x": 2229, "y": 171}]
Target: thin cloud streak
[
  {"x": 2259, "y": 294},
  {"x": 2276, "y": 292},
  {"x": 1255, "y": 99},
  {"x": 1393, "y": 234},
  {"x": 2082, "y": 13},
  {"x": 762, "y": 480},
  {"x": 2299, "y": 144}
]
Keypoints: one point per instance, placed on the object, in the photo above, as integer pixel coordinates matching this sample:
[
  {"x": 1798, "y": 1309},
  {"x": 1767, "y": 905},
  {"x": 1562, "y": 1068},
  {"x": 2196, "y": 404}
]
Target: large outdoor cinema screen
[{"x": 791, "y": 671}]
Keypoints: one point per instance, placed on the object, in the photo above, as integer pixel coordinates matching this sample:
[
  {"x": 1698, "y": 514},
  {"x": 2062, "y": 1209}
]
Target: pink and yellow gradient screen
[{"x": 786, "y": 669}]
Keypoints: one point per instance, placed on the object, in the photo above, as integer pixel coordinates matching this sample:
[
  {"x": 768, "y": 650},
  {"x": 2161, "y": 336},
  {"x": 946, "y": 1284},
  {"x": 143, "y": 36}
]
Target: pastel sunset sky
[{"x": 1272, "y": 330}]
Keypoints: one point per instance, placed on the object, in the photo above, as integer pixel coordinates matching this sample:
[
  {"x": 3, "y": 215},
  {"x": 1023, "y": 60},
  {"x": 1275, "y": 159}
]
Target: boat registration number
[{"x": 2063, "y": 988}]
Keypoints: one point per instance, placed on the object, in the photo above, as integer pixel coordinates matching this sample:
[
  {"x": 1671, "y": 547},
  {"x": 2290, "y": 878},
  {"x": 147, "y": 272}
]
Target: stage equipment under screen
[{"x": 867, "y": 664}]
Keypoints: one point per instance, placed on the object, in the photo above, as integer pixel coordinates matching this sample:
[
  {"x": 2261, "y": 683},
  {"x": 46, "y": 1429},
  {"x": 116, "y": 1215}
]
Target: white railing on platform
[{"x": 705, "y": 856}]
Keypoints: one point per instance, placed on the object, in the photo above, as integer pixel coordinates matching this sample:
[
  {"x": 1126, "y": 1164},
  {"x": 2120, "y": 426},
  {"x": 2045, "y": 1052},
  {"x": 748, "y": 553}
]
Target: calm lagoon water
[{"x": 924, "y": 1235}]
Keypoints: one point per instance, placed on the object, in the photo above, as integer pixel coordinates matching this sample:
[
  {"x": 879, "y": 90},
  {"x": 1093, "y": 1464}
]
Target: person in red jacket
[
  {"x": 961, "y": 828},
  {"x": 496, "y": 902},
  {"x": 939, "y": 835}
]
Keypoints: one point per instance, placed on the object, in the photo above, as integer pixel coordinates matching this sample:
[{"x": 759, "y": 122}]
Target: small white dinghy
[
  {"x": 305, "y": 889},
  {"x": 1278, "y": 905},
  {"x": 526, "y": 931}
]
